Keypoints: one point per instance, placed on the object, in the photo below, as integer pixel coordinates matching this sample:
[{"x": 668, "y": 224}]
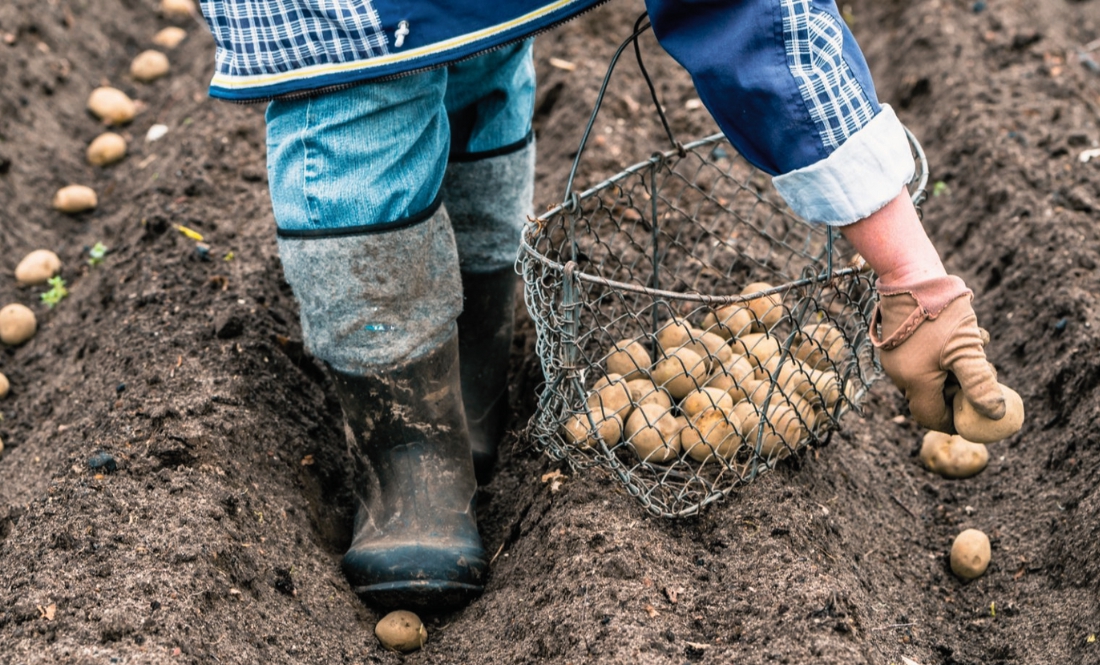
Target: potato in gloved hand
[{"x": 928, "y": 330}]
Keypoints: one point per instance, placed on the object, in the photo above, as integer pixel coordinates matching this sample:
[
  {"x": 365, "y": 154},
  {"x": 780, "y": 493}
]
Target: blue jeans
[{"x": 376, "y": 153}]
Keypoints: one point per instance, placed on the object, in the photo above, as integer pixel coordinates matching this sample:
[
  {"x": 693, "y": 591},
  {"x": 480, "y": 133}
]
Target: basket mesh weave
[{"x": 649, "y": 256}]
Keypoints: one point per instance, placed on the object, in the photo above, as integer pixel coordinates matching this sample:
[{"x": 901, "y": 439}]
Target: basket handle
[{"x": 640, "y": 26}]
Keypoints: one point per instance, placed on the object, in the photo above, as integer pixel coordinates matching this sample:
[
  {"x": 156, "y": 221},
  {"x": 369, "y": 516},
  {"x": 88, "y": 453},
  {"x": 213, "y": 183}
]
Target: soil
[{"x": 212, "y": 526}]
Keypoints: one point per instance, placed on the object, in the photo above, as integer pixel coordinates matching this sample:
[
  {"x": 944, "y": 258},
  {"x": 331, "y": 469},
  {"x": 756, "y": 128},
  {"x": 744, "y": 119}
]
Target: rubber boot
[
  {"x": 416, "y": 544},
  {"x": 485, "y": 330}
]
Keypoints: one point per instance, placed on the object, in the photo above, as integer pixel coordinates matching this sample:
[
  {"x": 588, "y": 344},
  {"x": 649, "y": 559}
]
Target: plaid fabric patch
[
  {"x": 282, "y": 35},
  {"x": 814, "y": 44}
]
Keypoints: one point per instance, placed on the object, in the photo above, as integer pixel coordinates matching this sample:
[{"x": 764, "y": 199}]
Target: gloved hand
[{"x": 928, "y": 329}]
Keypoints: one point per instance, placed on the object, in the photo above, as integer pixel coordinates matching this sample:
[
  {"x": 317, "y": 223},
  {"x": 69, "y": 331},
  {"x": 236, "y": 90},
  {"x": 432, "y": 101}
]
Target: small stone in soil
[
  {"x": 228, "y": 326},
  {"x": 202, "y": 250},
  {"x": 102, "y": 460},
  {"x": 120, "y": 388}
]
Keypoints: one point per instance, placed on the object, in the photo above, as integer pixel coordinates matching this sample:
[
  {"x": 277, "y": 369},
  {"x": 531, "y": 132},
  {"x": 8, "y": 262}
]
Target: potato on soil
[
  {"x": 170, "y": 37},
  {"x": 700, "y": 400},
  {"x": 729, "y": 321},
  {"x": 106, "y": 149},
  {"x": 37, "y": 267},
  {"x": 630, "y": 359},
  {"x": 111, "y": 105},
  {"x": 5, "y": 386},
  {"x": 177, "y": 9},
  {"x": 17, "y": 324},
  {"x": 72, "y": 199},
  {"x": 149, "y": 66},
  {"x": 680, "y": 373},
  {"x": 713, "y": 432},
  {"x": 970, "y": 554},
  {"x": 644, "y": 391},
  {"x": 979, "y": 429},
  {"x": 611, "y": 394},
  {"x": 609, "y": 427},
  {"x": 653, "y": 433},
  {"x": 952, "y": 456},
  {"x": 401, "y": 631},
  {"x": 767, "y": 310}
]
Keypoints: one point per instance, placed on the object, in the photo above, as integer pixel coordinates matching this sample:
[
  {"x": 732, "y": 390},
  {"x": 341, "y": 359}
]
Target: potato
[
  {"x": 112, "y": 106},
  {"x": 970, "y": 554},
  {"x": 401, "y": 631},
  {"x": 767, "y": 310},
  {"x": 149, "y": 66},
  {"x": 740, "y": 367},
  {"x": 170, "y": 37},
  {"x": 952, "y": 456},
  {"x": 37, "y": 267},
  {"x": 106, "y": 149},
  {"x": 5, "y": 386},
  {"x": 674, "y": 334},
  {"x": 819, "y": 343},
  {"x": 177, "y": 8},
  {"x": 644, "y": 391},
  {"x": 612, "y": 394},
  {"x": 713, "y": 432},
  {"x": 680, "y": 373},
  {"x": 609, "y": 427},
  {"x": 630, "y": 359},
  {"x": 979, "y": 429},
  {"x": 653, "y": 433},
  {"x": 75, "y": 198},
  {"x": 17, "y": 324},
  {"x": 781, "y": 427},
  {"x": 758, "y": 348},
  {"x": 750, "y": 389},
  {"x": 700, "y": 400},
  {"x": 729, "y": 321},
  {"x": 715, "y": 350}
]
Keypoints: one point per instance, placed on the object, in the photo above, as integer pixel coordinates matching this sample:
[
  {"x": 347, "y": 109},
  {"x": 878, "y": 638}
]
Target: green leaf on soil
[{"x": 57, "y": 292}]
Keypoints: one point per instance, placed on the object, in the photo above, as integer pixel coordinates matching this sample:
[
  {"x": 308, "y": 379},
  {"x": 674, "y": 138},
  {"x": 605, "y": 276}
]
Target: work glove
[{"x": 929, "y": 341}]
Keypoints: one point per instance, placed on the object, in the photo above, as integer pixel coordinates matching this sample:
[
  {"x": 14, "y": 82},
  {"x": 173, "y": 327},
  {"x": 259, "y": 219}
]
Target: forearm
[{"x": 894, "y": 243}]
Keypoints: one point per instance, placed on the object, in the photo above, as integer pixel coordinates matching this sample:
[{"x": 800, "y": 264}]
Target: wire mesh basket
[{"x": 693, "y": 332}]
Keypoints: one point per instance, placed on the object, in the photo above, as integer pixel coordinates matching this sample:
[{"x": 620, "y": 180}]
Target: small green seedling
[
  {"x": 940, "y": 188},
  {"x": 56, "y": 293},
  {"x": 96, "y": 254}
]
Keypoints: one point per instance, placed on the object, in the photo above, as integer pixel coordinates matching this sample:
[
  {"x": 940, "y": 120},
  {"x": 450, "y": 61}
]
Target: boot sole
[{"x": 432, "y": 595}]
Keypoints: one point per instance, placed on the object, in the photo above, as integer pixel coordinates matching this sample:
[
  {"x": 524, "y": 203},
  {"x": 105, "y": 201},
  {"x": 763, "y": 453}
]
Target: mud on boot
[{"x": 416, "y": 543}]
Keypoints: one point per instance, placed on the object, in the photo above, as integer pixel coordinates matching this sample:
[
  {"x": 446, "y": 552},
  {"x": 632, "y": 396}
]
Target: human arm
[{"x": 790, "y": 88}]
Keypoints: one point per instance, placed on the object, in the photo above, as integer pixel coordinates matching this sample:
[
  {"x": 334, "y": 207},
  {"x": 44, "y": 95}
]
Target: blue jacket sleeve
[{"x": 788, "y": 85}]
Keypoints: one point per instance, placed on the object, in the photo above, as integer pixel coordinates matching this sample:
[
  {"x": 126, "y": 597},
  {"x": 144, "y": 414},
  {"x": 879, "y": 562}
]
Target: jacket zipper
[{"x": 314, "y": 92}]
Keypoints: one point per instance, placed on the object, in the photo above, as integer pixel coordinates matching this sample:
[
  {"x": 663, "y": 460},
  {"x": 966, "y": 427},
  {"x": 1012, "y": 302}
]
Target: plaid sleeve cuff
[{"x": 865, "y": 173}]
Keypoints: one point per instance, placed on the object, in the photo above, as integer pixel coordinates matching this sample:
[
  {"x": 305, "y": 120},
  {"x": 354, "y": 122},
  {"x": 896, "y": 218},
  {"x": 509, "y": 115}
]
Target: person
[{"x": 401, "y": 167}]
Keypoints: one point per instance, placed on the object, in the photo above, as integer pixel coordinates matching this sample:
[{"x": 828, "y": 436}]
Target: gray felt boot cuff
[
  {"x": 489, "y": 200},
  {"x": 375, "y": 298}
]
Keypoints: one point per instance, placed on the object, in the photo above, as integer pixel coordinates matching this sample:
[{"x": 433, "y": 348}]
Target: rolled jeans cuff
[{"x": 861, "y": 176}]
